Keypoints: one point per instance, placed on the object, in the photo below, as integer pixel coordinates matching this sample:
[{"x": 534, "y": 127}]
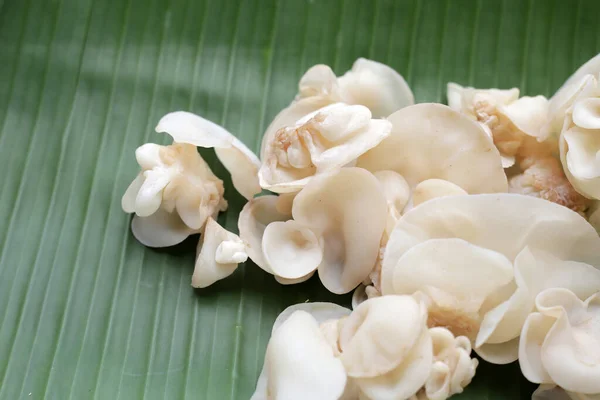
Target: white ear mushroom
[
  {"x": 397, "y": 194},
  {"x": 488, "y": 222},
  {"x": 535, "y": 271},
  {"x": 219, "y": 253},
  {"x": 242, "y": 164},
  {"x": 252, "y": 222},
  {"x": 291, "y": 250},
  {"x": 322, "y": 141},
  {"x": 300, "y": 363},
  {"x": 433, "y": 141},
  {"x": 322, "y": 313},
  {"x": 173, "y": 195},
  {"x": 347, "y": 209}
]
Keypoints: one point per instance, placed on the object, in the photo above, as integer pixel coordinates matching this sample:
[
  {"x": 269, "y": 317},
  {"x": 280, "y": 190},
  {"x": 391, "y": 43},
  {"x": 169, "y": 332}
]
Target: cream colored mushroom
[
  {"x": 553, "y": 392},
  {"x": 291, "y": 250},
  {"x": 328, "y": 139},
  {"x": 242, "y": 164},
  {"x": 300, "y": 363},
  {"x": 397, "y": 194},
  {"x": 368, "y": 83},
  {"x": 535, "y": 271},
  {"x": 173, "y": 195},
  {"x": 433, "y": 141},
  {"x": 322, "y": 313},
  {"x": 379, "y": 334},
  {"x": 485, "y": 228},
  {"x": 218, "y": 254},
  {"x": 580, "y": 144},
  {"x": 508, "y": 119},
  {"x": 561, "y": 343},
  {"x": 347, "y": 209},
  {"x": 452, "y": 369}
]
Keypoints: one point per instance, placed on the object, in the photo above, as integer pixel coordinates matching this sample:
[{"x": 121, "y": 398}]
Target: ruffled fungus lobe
[
  {"x": 560, "y": 343},
  {"x": 328, "y": 139},
  {"x": 218, "y": 254},
  {"x": 433, "y": 141},
  {"x": 488, "y": 223},
  {"x": 347, "y": 209},
  {"x": 173, "y": 196},
  {"x": 300, "y": 362}
]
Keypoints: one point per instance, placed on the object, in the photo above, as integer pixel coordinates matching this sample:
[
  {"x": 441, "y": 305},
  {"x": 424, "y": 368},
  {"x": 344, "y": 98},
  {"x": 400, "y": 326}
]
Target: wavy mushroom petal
[
  {"x": 407, "y": 378},
  {"x": 301, "y": 364},
  {"x": 500, "y": 353},
  {"x": 534, "y": 332},
  {"x": 586, "y": 113},
  {"x": 291, "y": 250},
  {"x": 242, "y": 164},
  {"x": 219, "y": 253},
  {"x": 489, "y": 221},
  {"x": 432, "y": 188},
  {"x": 396, "y": 191},
  {"x": 161, "y": 229},
  {"x": 379, "y": 333},
  {"x": 128, "y": 199},
  {"x": 528, "y": 114},
  {"x": 457, "y": 276},
  {"x": 252, "y": 222},
  {"x": 376, "y": 86},
  {"x": 571, "y": 350},
  {"x": 348, "y": 210},
  {"x": 433, "y": 141},
  {"x": 563, "y": 99},
  {"x": 319, "y": 80}
]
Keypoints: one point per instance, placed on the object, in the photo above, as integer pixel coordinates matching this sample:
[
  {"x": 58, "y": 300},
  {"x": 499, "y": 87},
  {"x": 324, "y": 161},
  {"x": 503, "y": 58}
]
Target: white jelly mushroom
[
  {"x": 488, "y": 221},
  {"x": 535, "y": 271},
  {"x": 321, "y": 312},
  {"x": 291, "y": 250},
  {"x": 252, "y": 222},
  {"x": 173, "y": 195},
  {"x": 368, "y": 83},
  {"x": 242, "y": 164},
  {"x": 219, "y": 253},
  {"x": 453, "y": 368},
  {"x": 432, "y": 188},
  {"x": 407, "y": 378},
  {"x": 561, "y": 344},
  {"x": 379, "y": 334},
  {"x": 347, "y": 209},
  {"x": 580, "y": 146},
  {"x": 456, "y": 276},
  {"x": 328, "y": 139},
  {"x": 433, "y": 141},
  {"x": 507, "y": 118},
  {"x": 300, "y": 363}
]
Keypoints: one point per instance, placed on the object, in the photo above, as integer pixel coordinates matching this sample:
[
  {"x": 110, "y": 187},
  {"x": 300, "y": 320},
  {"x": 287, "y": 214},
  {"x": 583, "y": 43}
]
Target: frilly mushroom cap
[
  {"x": 457, "y": 276},
  {"x": 570, "y": 352},
  {"x": 348, "y": 210},
  {"x": 291, "y": 250},
  {"x": 461, "y": 98},
  {"x": 553, "y": 392},
  {"x": 489, "y": 222},
  {"x": 321, "y": 312},
  {"x": 535, "y": 271},
  {"x": 242, "y": 164},
  {"x": 376, "y": 86},
  {"x": 300, "y": 363},
  {"x": 576, "y": 87},
  {"x": 219, "y": 253},
  {"x": 330, "y": 138},
  {"x": 560, "y": 344},
  {"x": 528, "y": 114},
  {"x": 252, "y": 222},
  {"x": 379, "y": 334},
  {"x": 396, "y": 191},
  {"x": 433, "y": 141},
  {"x": 407, "y": 378}
]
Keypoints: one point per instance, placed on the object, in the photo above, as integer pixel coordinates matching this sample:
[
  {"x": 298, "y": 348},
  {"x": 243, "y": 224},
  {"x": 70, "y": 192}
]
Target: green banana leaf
[{"x": 86, "y": 312}]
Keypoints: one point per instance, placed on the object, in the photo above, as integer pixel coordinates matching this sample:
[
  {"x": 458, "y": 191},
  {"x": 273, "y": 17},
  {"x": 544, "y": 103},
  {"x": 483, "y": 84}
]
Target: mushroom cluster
[{"x": 471, "y": 226}]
